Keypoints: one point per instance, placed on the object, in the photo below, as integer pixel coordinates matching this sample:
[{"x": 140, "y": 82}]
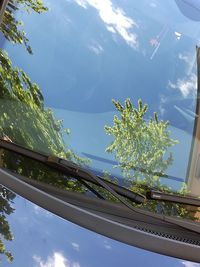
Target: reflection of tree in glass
[
  {"x": 23, "y": 117},
  {"x": 140, "y": 146},
  {"x": 25, "y": 120},
  {"x": 141, "y": 149},
  {"x": 6, "y": 198},
  {"x": 11, "y": 27}
]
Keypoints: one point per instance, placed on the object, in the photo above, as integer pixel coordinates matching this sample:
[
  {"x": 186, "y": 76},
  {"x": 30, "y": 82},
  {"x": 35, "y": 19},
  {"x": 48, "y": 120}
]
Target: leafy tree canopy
[
  {"x": 140, "y": 146},
  {"x": 6, "y": 198},
  {"x": 12, "y": 28},
  {"x": 25, "y": 120},
  {"x": 23, "y": 117}
]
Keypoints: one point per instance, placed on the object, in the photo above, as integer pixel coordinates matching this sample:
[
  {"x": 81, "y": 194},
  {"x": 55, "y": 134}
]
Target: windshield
[{"x": 111, "y": 85}]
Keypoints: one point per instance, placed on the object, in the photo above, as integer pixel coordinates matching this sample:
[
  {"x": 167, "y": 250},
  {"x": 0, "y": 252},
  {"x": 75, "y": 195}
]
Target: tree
[
  {"x": 6, "y": 198},
  {"x": 141, "y": 148},
  {"x": 23, "y": 117},
  {"x": 12, "y": 28},
  {"x": 25, "y": 120},
  {"x": 140, "y": 145}
]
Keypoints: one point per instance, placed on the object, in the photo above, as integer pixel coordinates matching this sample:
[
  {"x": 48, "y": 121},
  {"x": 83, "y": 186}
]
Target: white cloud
[
  {"x": 178, "y": 35},
  {"x": 152, "y": 4},
  {"x": 114, "y": 18},
  {"x": 96, "y": 48},
  {"x": 186, "y": 86},
  {"x": 190, "y": 264},
  {"x": 107, "y": 245},
  {"x": 40, "y": 211},
  {"x": 185, "y": 58},
  {"x": 76, "y": 246},
  {"x": 81, "y": 3},
  {"x": 190, "y": 60},
  {"x": 111, "y": 29},
  {"x": 163, "y": 100},
  {"x": 56, "y": 260}
]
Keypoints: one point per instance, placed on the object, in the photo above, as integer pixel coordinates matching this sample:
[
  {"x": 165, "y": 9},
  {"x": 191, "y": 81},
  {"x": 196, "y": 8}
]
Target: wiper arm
[
  {"x": 161, "y": 196},
  {"x": 75, "y": 170}
]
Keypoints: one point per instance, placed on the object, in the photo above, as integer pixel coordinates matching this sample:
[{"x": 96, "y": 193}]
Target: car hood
[{"x": 42, "y": 239}]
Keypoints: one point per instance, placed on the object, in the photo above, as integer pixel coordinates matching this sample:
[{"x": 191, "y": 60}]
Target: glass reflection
[
  {"x": 24, "y": 119},
  {"x": 11, "y": 27},
  {"x": 6, "y": 200},
  {"x": 141, "y": 145},
  {"x": 12, "y": 30}
]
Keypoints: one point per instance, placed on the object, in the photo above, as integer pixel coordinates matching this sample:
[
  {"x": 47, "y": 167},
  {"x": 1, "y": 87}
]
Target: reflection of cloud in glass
[
  {"x": 57, "y": 260},
  {"x": 184, "y": 57},
  {"x": 189, "y": 59},
  {"x": 186, "y": 86},
  {"x": 163, "y": 100},
  {"x": 96, "y": 48},
  {"x": 107, "y": 245},
  {"x": 152, "y": 4},
  {"x": 190, "y": 264},
  {"x": 178, "y": 35},
  {"x": 41, "y": 211},
  {"x": 111, "y": 29},
  {"x": 114, "y": 18},
  {"x": 81, "y": 3},
  {"x": 75, "y": 246}
]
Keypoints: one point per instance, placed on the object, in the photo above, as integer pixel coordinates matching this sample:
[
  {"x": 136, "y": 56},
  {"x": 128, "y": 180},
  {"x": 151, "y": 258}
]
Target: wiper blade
[
  {"x": 75, "y": 170},
  {"x": 161, "y": 196}
]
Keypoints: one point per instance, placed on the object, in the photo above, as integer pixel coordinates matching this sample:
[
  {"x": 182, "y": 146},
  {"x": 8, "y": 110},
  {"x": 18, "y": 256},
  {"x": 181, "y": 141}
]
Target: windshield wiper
[
  {"x": 70, "y": 168},
  {"x": 74, "y": 170},
  {"x": 161, "y": 196}
]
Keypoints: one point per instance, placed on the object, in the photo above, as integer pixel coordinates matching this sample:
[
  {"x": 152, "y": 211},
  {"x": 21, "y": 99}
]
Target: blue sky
[
  {"x": 118, "y": 55},
  {"x": 87, "y": 52}
]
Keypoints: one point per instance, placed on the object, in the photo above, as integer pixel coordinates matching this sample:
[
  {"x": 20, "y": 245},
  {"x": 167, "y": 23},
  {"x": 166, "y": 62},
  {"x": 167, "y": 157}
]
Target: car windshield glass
[{"x": 110, "y": 85}]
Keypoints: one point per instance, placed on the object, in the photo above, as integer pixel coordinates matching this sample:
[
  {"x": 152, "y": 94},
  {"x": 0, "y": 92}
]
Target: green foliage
[
  {"x": 25, "y": 120},
  {"x": 167, "y": 208},
  {"x": 12, "y": 28},
  {"x": 6, "y": 198},
  {"x": 140, "y": 146},
  {"x": 23, "y": 117}
]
